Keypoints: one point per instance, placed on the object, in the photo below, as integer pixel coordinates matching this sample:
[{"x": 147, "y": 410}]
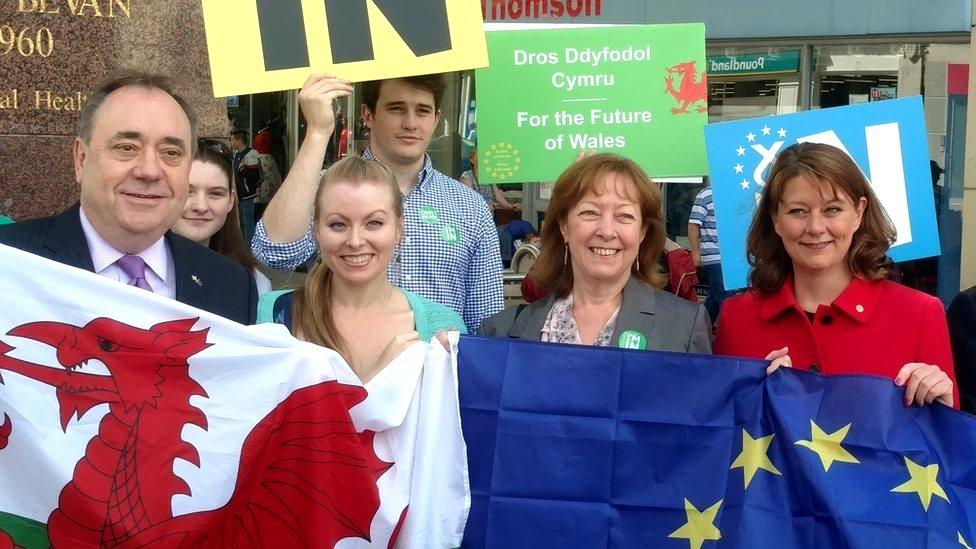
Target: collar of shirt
[
  {"x": 858, "y": 301},
  {"x": 104, "y": 254},
  {"x": 423, "y": 178}
]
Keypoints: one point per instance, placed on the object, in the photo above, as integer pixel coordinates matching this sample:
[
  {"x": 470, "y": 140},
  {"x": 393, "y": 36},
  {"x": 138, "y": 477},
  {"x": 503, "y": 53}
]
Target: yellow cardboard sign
[{"x": 267, "y": 45}]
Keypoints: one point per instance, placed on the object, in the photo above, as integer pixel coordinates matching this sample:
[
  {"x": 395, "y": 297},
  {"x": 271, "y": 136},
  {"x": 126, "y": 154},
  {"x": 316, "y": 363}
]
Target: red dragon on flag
[{"x": 306, "y": 477}]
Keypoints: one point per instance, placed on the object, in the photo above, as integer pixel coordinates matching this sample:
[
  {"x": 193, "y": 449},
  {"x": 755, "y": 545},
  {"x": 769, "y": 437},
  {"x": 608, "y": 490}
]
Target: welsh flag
[{"x": 132, "y": 420}]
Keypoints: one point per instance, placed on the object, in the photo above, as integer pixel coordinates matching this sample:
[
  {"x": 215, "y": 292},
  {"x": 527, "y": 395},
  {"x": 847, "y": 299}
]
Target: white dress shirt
[{"x": 160, "y": 271}]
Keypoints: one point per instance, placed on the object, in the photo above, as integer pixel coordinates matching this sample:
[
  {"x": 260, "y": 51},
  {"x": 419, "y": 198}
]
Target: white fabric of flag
[{"x": 130, "y": 418}]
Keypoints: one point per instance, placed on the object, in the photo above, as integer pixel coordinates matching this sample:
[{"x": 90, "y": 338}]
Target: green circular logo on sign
[
  {"x": 632, "y": 339},
  {"x": 501, "y": 160},
  {"x": 450, "y": 234},
  {"x": 429, "y": 215}
]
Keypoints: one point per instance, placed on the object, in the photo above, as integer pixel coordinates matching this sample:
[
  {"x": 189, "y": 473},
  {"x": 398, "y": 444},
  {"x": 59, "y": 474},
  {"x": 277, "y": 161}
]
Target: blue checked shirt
[{"x": 449, "y": 253}]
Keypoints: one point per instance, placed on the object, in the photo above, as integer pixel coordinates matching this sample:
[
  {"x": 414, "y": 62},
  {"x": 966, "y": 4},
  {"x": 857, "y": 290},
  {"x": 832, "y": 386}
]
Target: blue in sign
[{"x": 886, "y": 139}]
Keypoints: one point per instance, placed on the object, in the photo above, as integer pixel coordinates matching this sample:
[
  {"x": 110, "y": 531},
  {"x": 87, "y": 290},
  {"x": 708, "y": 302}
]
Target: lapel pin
[{"x": 197, "y": 280}]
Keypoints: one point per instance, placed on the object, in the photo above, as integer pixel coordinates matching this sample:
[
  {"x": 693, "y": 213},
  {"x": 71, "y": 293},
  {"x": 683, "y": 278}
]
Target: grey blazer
[{"x": 668, "y": 322}]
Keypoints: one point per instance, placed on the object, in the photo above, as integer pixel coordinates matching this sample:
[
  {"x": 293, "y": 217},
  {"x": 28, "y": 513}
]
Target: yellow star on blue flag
[
  {"x": 828, "y": 446},
  {"x": 754, "y": 457},
  {"x": 923, "y": 482},
  {"x": 700, "y": 526}
]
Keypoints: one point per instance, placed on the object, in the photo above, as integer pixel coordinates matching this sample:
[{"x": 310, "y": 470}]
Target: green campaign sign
[{"x": 637, "y": 91}]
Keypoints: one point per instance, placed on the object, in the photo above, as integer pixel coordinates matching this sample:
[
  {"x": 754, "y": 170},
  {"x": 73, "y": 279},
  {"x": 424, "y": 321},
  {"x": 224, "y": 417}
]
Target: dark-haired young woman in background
[{"x": 210, "y": 216}]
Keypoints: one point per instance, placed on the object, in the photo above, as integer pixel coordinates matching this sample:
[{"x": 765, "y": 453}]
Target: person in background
[
  {"x": 703, "y": 239},
  {"x": 347, "y": 303},
  {"x": 962, "y": 334},
  {"x": 210, "y": 215},
  {"x": 602, "y": 237},
  {"x": 343, "y": 137},
  {"x": 819, "y": 299},
  {"x": 246, "y": 168},
  {"x": 492, "y": 194},
  {"x": 450, "y": 252},
  {"x": 270, "y": 183}
]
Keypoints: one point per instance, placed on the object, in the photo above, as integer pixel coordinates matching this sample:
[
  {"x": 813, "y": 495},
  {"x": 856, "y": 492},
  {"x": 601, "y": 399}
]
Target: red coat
[{"x": 871, "y": 328}]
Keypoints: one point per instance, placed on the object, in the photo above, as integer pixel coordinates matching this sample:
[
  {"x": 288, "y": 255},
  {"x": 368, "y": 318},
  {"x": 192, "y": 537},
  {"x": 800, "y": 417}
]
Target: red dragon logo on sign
[
  {"x": 306, "y": 478},
  {"x": 692, "y": 89}
]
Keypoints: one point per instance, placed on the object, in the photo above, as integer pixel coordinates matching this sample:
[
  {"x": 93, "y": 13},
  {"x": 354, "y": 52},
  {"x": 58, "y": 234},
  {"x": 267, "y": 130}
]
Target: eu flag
[{"x": 573, "y": 446}]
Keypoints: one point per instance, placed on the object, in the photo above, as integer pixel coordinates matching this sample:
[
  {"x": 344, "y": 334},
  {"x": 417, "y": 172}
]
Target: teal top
[{"x": 428, "y": 316}]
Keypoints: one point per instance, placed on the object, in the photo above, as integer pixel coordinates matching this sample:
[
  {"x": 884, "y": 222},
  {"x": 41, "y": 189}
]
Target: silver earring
[
  {"x": 637, "y": 267},
  {"x": 565, "y": 254}
]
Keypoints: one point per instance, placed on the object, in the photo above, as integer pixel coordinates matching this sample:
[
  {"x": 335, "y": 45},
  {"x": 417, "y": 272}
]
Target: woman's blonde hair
[
  {"x": 312, "y": 317},
  {"x": 867, "y": 256},
  {"x": 585, "y": 176}
]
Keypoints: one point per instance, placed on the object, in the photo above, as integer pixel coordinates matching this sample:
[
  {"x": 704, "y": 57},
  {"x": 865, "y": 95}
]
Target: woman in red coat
[{"x": 819, "y": 299}]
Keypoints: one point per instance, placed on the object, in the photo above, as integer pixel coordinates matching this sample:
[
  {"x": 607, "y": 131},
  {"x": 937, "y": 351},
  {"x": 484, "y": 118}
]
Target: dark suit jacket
[
  {"x": 227, "y": 288},
  {"x": 668, "y": 322},
  {"x": 962, "y": 333}
]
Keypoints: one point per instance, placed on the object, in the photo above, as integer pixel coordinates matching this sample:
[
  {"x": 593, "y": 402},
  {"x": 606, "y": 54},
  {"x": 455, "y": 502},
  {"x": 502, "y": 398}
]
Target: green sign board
[
  {"x": 754, "y": 63},
  {"x": 637, "y": 91}
]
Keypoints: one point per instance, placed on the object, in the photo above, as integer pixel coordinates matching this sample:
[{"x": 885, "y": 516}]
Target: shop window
[
  {"x": 847, "y": 75},
  {"x": 751, "y": 82}
]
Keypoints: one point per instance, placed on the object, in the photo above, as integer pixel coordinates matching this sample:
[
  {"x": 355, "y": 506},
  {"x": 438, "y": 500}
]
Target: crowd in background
[{"x": 399, "y": 252}]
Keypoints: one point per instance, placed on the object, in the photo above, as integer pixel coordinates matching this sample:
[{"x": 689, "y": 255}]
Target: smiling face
[
  {"x": 207, "y": 206},
  {"x": 134, "y": 169},
  {"x": 817, "y": 224},
  {"x": 402, "y": 125},
  {"x": 604, "y": 231},
  {"x": 357, "y": 230}
]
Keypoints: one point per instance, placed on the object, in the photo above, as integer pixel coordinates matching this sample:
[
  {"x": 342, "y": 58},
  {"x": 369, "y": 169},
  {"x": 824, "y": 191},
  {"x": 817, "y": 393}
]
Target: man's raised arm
[{"x": 287, "y": 216}]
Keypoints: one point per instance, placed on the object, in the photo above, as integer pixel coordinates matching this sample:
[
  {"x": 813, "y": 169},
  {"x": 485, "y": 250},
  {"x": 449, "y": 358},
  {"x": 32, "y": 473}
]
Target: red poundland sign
[{"x": 505, "y": 10}]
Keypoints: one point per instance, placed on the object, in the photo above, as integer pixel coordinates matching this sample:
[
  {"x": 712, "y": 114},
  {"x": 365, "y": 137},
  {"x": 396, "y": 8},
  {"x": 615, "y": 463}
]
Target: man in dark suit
[{"x": 136, "y": 139}]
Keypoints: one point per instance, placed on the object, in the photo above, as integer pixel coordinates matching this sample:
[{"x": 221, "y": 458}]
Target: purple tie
[{"x": 135, "y": 268}]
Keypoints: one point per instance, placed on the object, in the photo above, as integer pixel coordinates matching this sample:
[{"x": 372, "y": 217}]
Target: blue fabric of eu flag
[{"x": 574, "y": 446}]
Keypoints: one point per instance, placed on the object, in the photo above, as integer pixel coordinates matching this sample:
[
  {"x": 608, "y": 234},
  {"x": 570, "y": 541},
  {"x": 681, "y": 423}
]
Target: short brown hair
[
  {"x": 583, "y": 177},
  {"x": 867, "y": 256},
  {"x": 313, "y": 320},
  {"x": 127, "y": 78},
  {"x": 433, "y": 83}
]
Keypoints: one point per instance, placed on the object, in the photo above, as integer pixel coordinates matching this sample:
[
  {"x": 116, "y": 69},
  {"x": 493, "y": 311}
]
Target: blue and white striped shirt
[
  {"x": 449, "y": 253},
  {"x": 703, "y": 215}
]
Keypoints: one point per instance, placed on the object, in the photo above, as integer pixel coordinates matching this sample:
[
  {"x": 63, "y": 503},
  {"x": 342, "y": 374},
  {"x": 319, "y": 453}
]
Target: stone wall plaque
[{"x": 54, "y": 52}]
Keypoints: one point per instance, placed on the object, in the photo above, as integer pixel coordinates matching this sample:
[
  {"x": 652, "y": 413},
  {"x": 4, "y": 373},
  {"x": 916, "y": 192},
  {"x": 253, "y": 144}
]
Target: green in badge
[
  {"x": 632, "y": 339},
  {"x": 450, "y": 234},
  {"x": 428, "y": 214}
]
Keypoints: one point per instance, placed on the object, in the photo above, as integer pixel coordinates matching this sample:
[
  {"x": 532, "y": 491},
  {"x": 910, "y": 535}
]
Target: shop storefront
[
  {"x": 843, "y": 56},
  {"x": 846, "y": 53}
]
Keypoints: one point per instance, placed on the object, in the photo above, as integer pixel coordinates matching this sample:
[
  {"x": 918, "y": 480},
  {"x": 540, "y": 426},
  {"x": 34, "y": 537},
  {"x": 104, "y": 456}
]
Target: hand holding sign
[
  {"x": 268, "y": 45},
  {"x": 316, "y": 98}
]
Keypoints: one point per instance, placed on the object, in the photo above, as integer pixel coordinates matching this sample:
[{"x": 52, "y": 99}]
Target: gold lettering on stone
[
  {"x": 50, "y": 101},
  {"x": 9, "y": 100},
  {"x": 77, "y": 7},
  {"x": 123, "y": 5},
  {"x": 91, "y": 4},
  {"x": 37, "y": 6}
]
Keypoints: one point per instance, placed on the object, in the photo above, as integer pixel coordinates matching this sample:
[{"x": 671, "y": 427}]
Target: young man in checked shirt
[{"x": 449, "y": 252}]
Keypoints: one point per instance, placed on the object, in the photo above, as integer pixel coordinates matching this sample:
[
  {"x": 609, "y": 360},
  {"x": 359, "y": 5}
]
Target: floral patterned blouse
[{"x": 560, "y": 326}]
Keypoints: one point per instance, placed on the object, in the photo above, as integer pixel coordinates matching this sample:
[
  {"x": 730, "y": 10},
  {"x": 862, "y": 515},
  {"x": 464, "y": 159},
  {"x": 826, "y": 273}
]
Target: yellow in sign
[{"x": 267, "y": 45}]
